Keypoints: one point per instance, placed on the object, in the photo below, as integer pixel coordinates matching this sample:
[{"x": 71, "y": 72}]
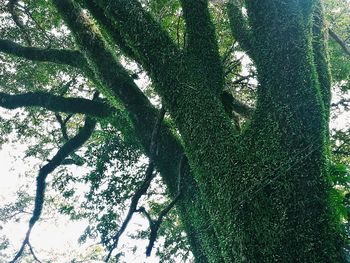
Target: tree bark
[{"x": 266, "y": 191}]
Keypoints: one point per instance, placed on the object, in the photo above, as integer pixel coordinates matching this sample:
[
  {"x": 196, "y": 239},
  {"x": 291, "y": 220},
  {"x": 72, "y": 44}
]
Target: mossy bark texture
[{"x": 260, "y": 196}]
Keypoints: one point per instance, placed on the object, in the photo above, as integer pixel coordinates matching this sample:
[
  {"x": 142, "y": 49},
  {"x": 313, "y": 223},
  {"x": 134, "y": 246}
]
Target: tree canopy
[{"x": 212, "y": 120}]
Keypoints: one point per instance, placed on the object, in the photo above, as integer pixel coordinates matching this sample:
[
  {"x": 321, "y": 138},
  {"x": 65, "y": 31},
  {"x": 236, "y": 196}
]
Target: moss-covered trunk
[
  {"x": 283, "y": 213},
  {"x": 266, "y": 190}
]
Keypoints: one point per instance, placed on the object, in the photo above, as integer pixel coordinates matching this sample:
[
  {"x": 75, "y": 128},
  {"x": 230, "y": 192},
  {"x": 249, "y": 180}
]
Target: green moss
[{"x": 265, "y": 194}]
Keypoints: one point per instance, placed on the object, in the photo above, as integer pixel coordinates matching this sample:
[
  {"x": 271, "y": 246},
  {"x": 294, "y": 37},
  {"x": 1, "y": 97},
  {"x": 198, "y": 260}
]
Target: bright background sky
[{"x": 53, "y": 236}]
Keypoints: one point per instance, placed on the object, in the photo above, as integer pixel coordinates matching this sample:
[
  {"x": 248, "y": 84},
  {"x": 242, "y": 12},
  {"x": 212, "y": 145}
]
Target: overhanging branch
[
  {"x": 56, "y": 103},
  {"x": 60, "y": 56}
]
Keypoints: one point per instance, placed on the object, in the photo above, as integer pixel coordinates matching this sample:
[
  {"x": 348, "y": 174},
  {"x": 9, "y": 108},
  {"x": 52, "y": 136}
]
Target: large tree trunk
[
  {"x": 265, "y": 192},
  {"x": 288, "y": 217}
]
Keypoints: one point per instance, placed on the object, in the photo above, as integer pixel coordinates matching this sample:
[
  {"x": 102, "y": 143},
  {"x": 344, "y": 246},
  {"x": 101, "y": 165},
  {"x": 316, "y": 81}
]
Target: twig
[
  {"x": 232, "y": 65},
  {"x": 144, "y": 186},
  {"x": 63, "y": 125},
  {"x": 32, "y": 252},
  {"x": 343, "y": 102},
  {"x": 228, "y": 52}
]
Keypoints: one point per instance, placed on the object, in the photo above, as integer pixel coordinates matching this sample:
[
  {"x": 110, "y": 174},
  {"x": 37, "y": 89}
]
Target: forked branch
[
  {"x": 155, "y": 224},
  {"x": 149, "y": 175},
  {"x": 69, "y": 147}
]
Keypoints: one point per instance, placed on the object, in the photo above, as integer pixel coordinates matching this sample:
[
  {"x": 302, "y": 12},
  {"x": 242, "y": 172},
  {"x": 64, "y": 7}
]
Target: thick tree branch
[
  {"x": 142, "y": 32},
  {"x": 69, "y": 147},
  {"x": 239, "y": 27},
  {"x": 118, "y": 87},
  {"x": 341, "y": 43},
  {"x": 202, "y": 42},
  {"x": 56, "y": 103},
  {"x": 60, "y": 56},
  {"x": 110, "y": 30},
  {"x": 144, "y": 186}
]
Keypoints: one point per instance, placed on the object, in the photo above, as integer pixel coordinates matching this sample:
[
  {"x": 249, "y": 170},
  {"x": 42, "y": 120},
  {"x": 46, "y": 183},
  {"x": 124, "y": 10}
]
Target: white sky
[{"x": 53, "y": 236}]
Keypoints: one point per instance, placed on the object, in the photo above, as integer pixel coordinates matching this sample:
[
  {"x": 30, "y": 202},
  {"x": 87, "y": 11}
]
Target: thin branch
[
  {"x": 32, "y": 252},
  {"x": 228, "y": 52},
  {"x": 232, "y": 66},
  {"x": 24, "y": 243},
  {"x": 342, "y": 44},
  {"x": 342, "y": 102},
  {"x": 63, "y": 125},
  {"x": 76, "y": 159},
  {"x": 155, "y": 225},
  {"x": 70, "y": 146},
  {"x": 25, "y": 10},
  {"x": 56, "y": 103},
  {"x": 341, "y": 152},
  {"x": 11, "y": 216},
  {"x": 241, "y": 79},
  {"x": 144, "y": 186}
]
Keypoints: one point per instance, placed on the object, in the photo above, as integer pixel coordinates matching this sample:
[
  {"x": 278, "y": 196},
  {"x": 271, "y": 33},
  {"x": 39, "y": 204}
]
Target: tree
[{"x": 257, "y": 191}]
